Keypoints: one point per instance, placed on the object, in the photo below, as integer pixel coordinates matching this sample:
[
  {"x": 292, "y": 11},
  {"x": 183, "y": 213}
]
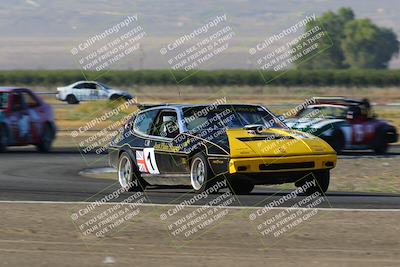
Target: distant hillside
[{"x": 41, "y": 33}]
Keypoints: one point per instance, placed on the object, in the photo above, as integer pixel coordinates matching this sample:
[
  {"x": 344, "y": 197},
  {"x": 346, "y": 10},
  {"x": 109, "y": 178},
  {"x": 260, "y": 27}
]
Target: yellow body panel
[
  {"x": 252, "y": 165},
  {"x": 249, "y": 150}
]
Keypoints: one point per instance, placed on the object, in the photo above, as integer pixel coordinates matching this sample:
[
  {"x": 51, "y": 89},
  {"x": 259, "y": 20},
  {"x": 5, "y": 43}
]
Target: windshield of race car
[
  {"x": 229, "y": 116},
  {"x": 105, "y": 87},
  {"x": 324, "y": 111}
]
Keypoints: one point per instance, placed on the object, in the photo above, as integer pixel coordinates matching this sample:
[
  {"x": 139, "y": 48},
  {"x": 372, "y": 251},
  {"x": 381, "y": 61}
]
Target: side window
[
  {"x": 91, "y": 86},
  {"x": 79, "y": 86},
  {"x": 29, "y": 100},
  {"x": 85, "y": 86},
  {"x": 144, "y": 121},
  {"x": 3, "y": 100},
  {"x": 18, "y": 102},
  {"x": 166, "y": 125}
]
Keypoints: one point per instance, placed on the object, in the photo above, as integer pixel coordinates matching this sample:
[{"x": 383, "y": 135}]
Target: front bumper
[{"x": 281, "y": 164}]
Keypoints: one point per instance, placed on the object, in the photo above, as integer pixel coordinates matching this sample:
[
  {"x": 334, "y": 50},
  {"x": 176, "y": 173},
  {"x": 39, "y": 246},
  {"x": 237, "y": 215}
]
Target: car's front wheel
[
  {"x": 200, "y": 173},
  {"x": 71, "y": 99},
  {"x": 128, "y": 177},
  {"x": 381, "y": 145},
  {"x": 116, "y": 97},
  {"x": 46, "y": 139},
  {"x": 317, "y": 182},
  {"x": 241, "y": 187},
  {"x": 3, "y": 139}
]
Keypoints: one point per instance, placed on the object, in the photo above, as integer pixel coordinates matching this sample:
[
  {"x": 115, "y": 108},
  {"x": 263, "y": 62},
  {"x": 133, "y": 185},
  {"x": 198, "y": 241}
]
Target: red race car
[
  {"x": 345, "y": 124},
  {"x": 25, "y": 120}
]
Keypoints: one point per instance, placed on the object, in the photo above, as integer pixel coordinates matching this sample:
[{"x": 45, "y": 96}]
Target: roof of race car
[
  {"x": 9, "y": 89},
  {"x": 328, "y": 105},
  {"x": 336, "y": 101},
  {"x": 181, "y": 106}
]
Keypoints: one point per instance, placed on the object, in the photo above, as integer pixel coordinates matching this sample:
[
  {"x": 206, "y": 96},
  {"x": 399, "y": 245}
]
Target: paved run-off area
[{"x": 43, "y": 234}]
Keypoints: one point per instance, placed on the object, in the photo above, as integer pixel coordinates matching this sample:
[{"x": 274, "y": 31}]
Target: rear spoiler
[
  {"x": 336, "y": 100},
  {"x": 45, "y": 93}
]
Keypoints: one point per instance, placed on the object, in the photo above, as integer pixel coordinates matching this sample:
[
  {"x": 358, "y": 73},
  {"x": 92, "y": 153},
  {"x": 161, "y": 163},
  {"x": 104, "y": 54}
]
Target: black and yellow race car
[{"x": 199, "y": 145}]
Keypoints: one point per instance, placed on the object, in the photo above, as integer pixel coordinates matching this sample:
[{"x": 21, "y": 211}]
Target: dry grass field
[{"x": 278, "y": 99}]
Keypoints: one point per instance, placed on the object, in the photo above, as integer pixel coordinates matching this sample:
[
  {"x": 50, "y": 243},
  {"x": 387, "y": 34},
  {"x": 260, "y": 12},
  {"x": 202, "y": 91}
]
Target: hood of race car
[{"x": 274, "y": 142}]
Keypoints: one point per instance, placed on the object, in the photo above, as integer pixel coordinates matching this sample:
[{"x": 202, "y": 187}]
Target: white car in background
[{"x": 89, "y": 90}]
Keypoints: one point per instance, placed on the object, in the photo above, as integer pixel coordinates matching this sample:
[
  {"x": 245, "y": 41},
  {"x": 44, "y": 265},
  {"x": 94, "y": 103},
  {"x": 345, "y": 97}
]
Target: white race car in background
[{"x": 89, "y": 90}]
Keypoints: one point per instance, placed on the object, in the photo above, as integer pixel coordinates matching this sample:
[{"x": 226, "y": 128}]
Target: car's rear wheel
[
  {"x": 115, "y": 97},
  {"x": 128, "y": 177},
  {"x": 3, "y": 139},
  {"x": 46, "y": 139},
  {"x": 321, "y": 184},
  {"x": 200, "y": 173},
  {"x": 71, "y": 99},
  {"x": 127, "y": 98}
]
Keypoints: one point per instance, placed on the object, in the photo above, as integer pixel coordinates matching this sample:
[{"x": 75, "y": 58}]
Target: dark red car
[
  {"x": 345, "y": 124},
  {"x": 25, "y": 120}
]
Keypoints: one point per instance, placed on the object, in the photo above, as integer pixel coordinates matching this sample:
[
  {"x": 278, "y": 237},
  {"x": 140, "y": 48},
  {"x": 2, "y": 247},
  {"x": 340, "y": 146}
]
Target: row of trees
[
  {"x": 353, "y": 43},
  {"x": 345, "y": 77}
]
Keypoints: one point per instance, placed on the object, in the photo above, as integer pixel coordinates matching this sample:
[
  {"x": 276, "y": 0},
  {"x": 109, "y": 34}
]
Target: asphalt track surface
[{"x": 26, "y": 175}]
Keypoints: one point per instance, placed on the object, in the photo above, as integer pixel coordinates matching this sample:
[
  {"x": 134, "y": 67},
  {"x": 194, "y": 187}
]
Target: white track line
[{"x": 191, "y": 206}]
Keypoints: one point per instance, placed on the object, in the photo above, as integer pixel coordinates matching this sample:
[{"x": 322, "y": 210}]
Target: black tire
[
  {"x": 241, "y": 187},
  {"x": 337, "y": 141},
  {"x": 3, "y": 139},
  {"x": 201, "y": 178},
  {"x": 127, "y": 98},
  {"x": 71, "y": 99},
  {"x": 129, "y": 177},
  {"x": 321, "y": 185},
  {"x": 46, "y": 139},
  {"x": 381, "y": 145},
  {"x": 115, "y": 97}
]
